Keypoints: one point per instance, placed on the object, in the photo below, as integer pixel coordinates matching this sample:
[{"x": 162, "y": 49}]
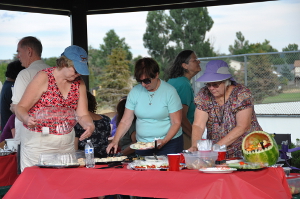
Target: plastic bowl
[
  {"x": 199, "y": 159},
  {"x": 12, "y": 144}
]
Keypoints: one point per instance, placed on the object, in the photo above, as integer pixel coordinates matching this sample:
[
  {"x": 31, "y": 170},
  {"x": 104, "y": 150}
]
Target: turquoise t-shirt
[
  {"x": 153, "y": 121},
  {"x": 186, "y": 94}
]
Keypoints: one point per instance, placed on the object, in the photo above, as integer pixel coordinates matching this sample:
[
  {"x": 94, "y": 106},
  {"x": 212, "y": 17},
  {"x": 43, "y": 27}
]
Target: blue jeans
[{"x": 173, "y": 146}]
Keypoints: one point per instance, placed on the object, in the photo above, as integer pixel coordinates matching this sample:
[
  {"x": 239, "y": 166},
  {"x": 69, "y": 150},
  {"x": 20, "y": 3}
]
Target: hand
[
  {"x": 193, "y": 148},
  {"x": 89, "y": 131},
  {"x": 113, "y": 145},
  {"x": 161, "y": 143},
  {"x": 31, "y": 122}
]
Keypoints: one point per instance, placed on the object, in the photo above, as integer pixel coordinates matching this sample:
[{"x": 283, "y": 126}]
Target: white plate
[
  {"x": 134, "y": 146},
  {"x": 217, "y": 170}
]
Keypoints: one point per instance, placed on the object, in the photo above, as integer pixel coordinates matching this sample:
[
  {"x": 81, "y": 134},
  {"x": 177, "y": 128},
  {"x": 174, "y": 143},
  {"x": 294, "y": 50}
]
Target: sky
[{"x": 276, "y": 21}]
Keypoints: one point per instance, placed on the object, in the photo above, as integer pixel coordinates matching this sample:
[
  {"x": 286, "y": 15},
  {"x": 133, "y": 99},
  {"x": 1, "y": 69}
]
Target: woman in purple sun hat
[{"x": 225, "y": 108}]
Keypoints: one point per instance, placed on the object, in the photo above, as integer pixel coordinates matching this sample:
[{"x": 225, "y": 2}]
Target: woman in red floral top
[
  {"x": 225, "y": 108},
  {"x": 59, "y": 87}
]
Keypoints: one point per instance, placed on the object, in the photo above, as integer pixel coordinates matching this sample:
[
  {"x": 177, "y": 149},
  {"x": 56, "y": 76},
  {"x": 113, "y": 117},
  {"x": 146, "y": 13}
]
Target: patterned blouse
[
  {"x": 99, "y": 138},
  {"x": 222, "y": 119},
  {"x": 53, "y": 98}
]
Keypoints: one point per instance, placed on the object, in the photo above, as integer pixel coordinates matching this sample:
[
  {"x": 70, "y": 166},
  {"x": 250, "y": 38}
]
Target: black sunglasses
[
  {"x": 145, "y": 81},
  {"x": 215, "y": 84}
]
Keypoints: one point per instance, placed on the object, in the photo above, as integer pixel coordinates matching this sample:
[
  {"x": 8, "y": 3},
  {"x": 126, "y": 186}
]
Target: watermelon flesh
[{"x": 260, "y": 147}]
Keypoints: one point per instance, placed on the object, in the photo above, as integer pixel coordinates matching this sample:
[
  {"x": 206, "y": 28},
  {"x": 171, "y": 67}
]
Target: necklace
[{"x": 151, "y": 97}]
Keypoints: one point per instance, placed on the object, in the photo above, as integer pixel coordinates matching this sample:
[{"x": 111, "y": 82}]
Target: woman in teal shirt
[
  {"x": 185, "y": 66},
  {"x": 157, "y": 107}
]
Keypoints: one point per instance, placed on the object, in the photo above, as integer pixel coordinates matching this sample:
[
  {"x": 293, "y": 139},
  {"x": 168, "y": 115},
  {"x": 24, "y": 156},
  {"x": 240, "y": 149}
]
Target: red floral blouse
[{"x": 53, "y": 98}]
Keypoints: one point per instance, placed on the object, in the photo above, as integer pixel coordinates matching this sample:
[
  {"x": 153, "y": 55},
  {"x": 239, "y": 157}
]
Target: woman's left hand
[{"x": 88, "y": 132}]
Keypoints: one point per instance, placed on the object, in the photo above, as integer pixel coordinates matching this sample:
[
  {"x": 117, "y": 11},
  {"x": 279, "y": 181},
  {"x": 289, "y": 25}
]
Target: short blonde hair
[{"x": 63, "y": 61}]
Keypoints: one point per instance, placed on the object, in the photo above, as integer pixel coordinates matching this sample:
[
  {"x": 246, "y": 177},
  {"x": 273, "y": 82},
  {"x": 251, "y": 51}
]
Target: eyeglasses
[
  {"x": 145, "y": 81},
  {"x": 215, "y": 84}
]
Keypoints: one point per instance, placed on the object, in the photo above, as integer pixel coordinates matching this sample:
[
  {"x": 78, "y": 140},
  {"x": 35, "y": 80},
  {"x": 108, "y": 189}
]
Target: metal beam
[{"x": 79, "y": 28}]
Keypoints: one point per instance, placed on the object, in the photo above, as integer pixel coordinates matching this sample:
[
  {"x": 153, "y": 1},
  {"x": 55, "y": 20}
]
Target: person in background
[
  {"x": 130, "y": 136},
  {"x": 157, "y": 107},
  {"x": 225, "y": 108},
  {"x": 113, "y": 125},
  {"x": 29, "y": 53},
  {"x": 60, "y": 87},
  {"x": 184, "y": 68},
  {"x": 99, "y": 138},
  {"x": 8, "y": 131},
  {"x": 13, "y": 69}
]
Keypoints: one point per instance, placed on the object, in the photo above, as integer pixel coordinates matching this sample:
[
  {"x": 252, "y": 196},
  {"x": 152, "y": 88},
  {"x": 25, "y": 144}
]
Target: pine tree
[
  {"x": 115, "y": 80},
  {"x": 286, "y": 72}
]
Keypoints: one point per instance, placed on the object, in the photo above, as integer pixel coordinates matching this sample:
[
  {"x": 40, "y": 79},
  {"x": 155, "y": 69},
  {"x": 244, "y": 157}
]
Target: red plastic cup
[
  {"x": 182, "y": 160},
  {"x": 174, "y": 160},
  {"x": 221, "y": 155}
]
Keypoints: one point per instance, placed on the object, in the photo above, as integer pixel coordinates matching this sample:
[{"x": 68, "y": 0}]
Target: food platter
[
  {"x": 246, "y": 166},
  {"x": 108, "y": 160},
  {"x": 58, "y": 166},
  {"x": 142, "y": 145},
  {"x": 217, "y": 170},
  {"x": 258, "y": 169}
]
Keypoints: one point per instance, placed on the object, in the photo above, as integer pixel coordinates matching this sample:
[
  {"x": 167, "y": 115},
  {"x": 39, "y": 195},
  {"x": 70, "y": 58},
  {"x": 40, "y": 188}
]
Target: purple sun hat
[{"x": 216, "y": 70}]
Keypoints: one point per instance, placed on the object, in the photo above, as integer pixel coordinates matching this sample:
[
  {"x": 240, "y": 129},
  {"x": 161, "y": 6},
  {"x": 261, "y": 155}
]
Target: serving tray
[{"x": 58, "y": 166}]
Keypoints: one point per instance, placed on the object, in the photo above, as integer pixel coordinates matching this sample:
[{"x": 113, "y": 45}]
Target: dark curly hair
[
  {"x": 13, "y": 69},
  {"x": 176, "y": 69},
  {"x": 92, "y": 104},
  {"x": 146, "y": 66}
]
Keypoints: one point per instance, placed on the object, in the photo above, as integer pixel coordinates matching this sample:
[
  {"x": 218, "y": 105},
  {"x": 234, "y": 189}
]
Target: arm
[
  {"x": 13, "y": 132},
  {"x": 123, "y": 127},
  {"x": 198, "y": 128},
  {"x": 185, "y": 123},
  {"x": 32, "y": 94},
  {"x": 129, "y": 150},
  {"x": 243, "y": 121},
  {"x": 175, "y": 125},
  {"x": 76, "y": 141},
  {"x": 85, "y": 120}
]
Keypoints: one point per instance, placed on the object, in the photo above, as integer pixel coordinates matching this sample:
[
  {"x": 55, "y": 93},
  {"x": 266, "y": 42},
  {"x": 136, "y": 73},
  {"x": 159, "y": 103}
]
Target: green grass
[{"x": 283, "y": 97}]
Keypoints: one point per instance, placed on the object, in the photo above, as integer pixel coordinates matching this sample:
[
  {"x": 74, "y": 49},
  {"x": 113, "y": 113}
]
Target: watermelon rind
[{"x": 266, "y": 156}]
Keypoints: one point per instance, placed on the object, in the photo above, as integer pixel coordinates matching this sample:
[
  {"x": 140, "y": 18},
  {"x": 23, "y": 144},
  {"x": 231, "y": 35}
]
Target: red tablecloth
[
  {"x": 8, "y": 170},
  {"x": 73, "y": 183}
]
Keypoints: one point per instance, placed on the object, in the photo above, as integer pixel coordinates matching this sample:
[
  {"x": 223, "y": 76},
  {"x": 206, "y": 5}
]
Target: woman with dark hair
[
  {"x": 12, "y": 71},
  {"x": 99, "y": 138},
  {"x": 185, "y": 66},
  {"x": 157, "y": 107},
  {"x": 130, "y": 136}
]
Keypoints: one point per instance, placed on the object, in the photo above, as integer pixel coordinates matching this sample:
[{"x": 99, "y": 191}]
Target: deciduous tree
[{"x": 169, "y": 33}]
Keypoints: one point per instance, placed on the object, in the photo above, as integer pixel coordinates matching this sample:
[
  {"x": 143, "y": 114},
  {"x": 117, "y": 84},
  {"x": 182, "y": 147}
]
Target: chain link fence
[{"x": 273, "y": 78}]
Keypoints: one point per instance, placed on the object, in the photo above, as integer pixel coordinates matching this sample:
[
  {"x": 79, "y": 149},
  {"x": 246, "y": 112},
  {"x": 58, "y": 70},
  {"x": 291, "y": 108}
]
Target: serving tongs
[
  {"x": 116, "y": 165},
  {"x": 155, "y": 149}
]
